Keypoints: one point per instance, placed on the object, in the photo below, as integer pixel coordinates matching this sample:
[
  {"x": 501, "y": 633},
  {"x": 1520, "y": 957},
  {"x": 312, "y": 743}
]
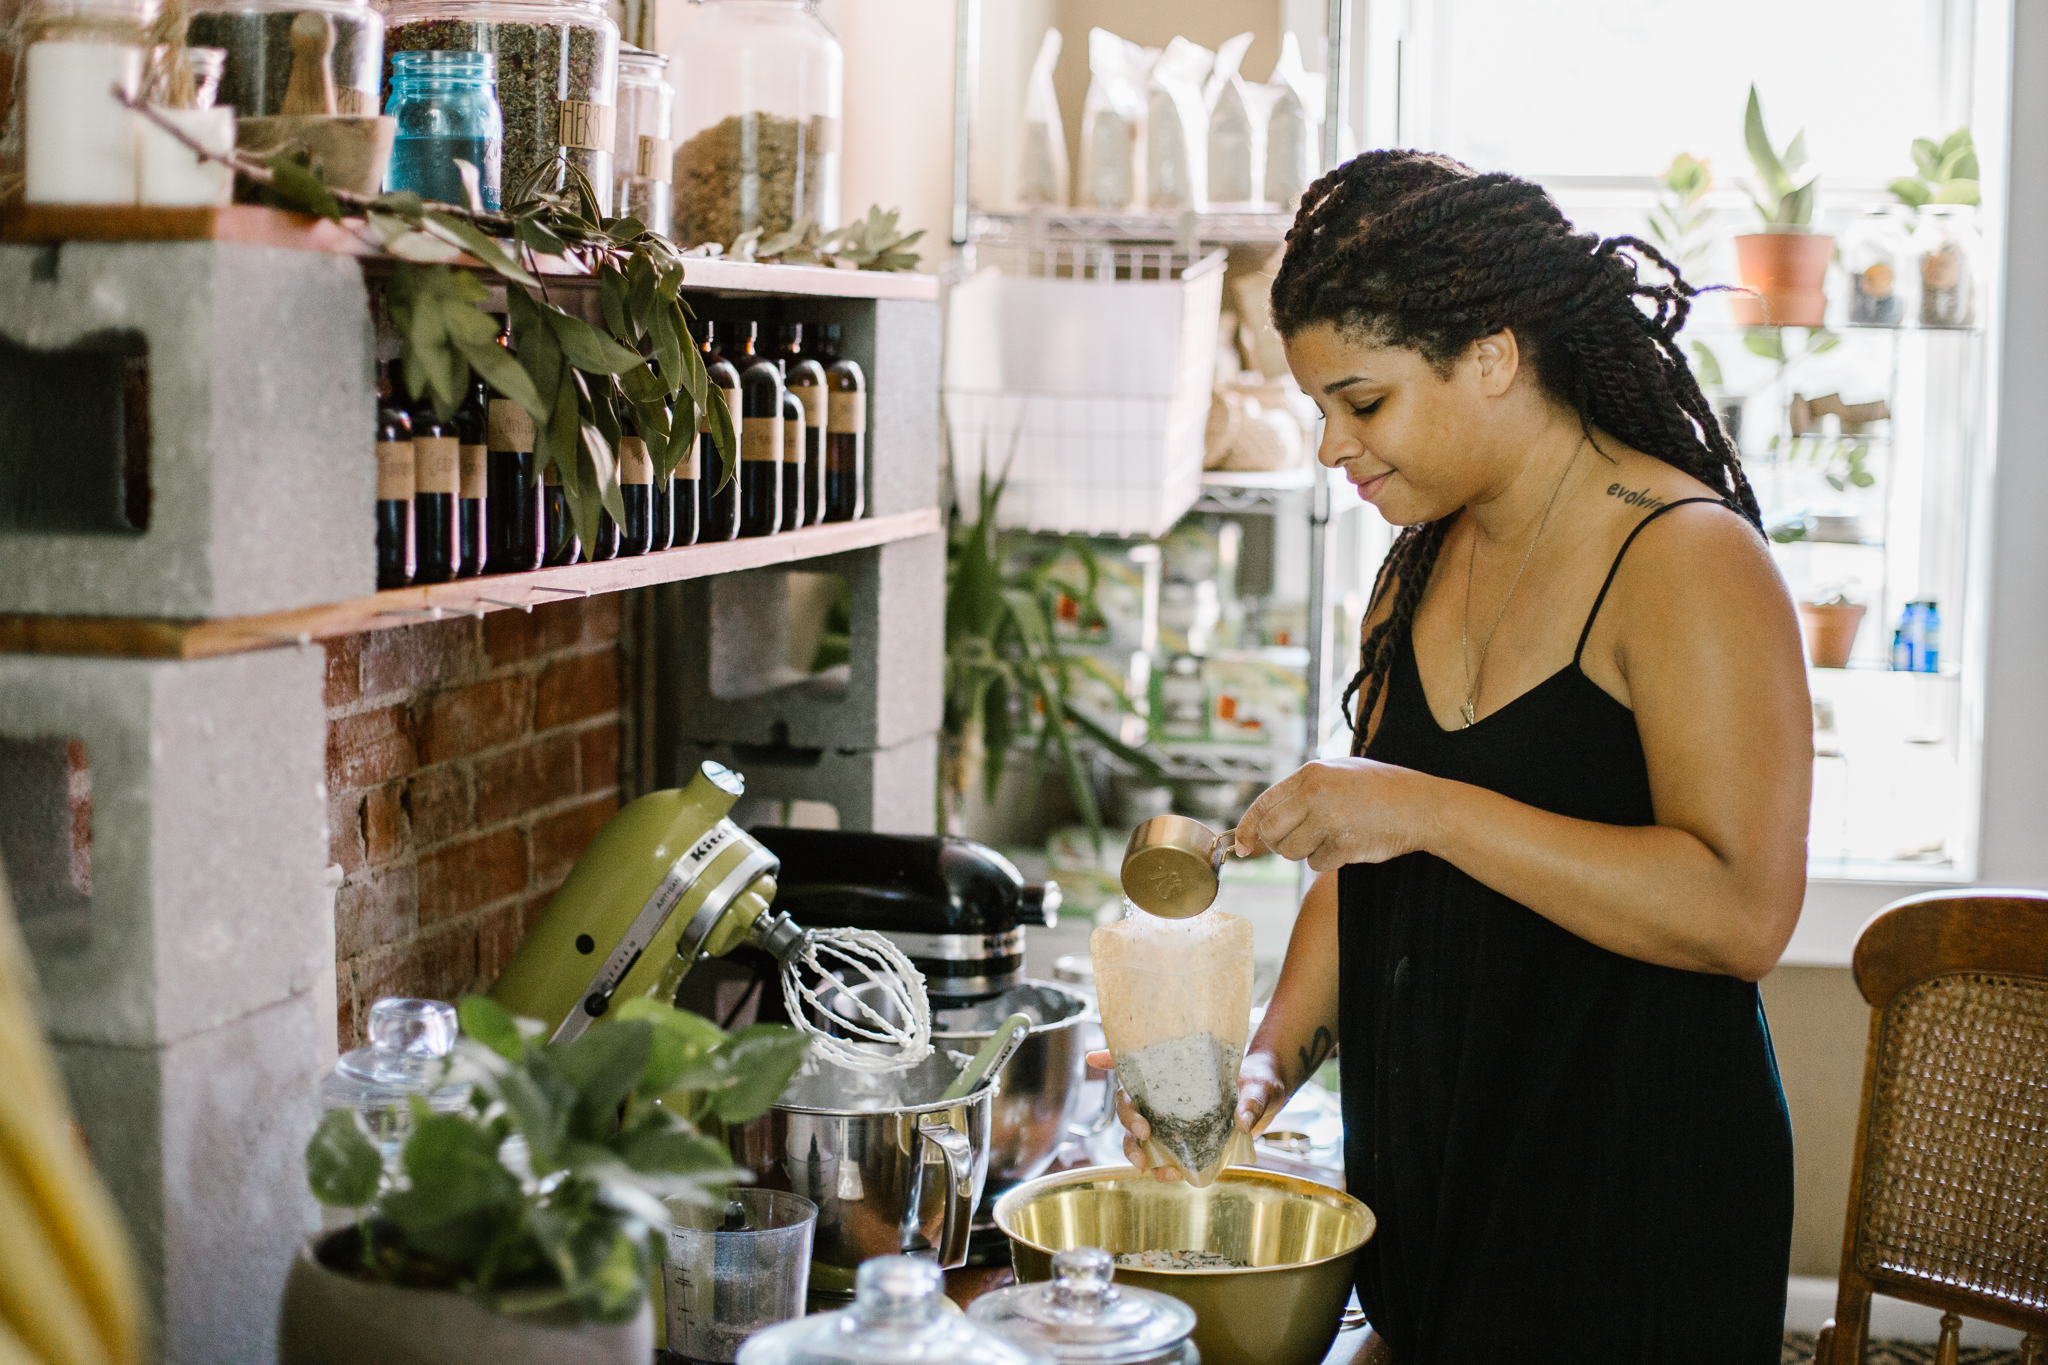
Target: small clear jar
[
  {"x": 257, "y": 36},
  {"x": 758, "y": 127},
  {"x": 1873, "y": 253},
  {"x": 645, "y": 153},
  {"x": 408, "y": 1040},
  {"x": 1947, "y": 246},
  {"x": 558, "y": 80},
  {"x": 446, "y": 106}
]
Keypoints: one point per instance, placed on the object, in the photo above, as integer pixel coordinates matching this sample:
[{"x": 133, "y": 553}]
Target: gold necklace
[{"x": 1472, "y": 675}]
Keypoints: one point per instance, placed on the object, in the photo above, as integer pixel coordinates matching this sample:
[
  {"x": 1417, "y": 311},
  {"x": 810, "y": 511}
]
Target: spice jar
[
  {"x": 558, "y": 80},
  {"x": 1947, "y": 245},
  {"x": 447, "y": 110},
  {"x": 1082, "y": 1317},
  {"x": 758, "y": 128},
  {"x": 645, "y": 154},
  {"x": 1873, "y": 251},
  {"x": 257, "y": 36}
]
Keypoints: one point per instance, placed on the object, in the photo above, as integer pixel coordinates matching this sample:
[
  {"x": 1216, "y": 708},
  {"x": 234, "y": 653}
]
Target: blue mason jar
[{"x": 446, "y": 104}]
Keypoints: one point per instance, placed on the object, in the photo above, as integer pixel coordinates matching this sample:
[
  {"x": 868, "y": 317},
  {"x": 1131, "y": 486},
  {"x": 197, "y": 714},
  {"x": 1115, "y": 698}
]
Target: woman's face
[{"x": 1418, "y": 445}]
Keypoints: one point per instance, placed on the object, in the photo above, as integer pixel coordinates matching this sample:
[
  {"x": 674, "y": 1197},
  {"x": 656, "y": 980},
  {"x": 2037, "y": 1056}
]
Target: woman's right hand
[{"x": 1260, "y": 1095}]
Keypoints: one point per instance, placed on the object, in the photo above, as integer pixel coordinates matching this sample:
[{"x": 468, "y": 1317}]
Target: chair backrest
[{"x": 1950, "y": 1186}]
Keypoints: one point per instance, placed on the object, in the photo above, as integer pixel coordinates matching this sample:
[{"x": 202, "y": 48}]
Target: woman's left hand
[{"x": 1338, "y": 811}]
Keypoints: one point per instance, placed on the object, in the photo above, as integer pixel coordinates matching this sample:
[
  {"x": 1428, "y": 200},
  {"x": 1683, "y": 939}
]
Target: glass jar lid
[
  {"x": 641, "y": 63},
  {"x": 408, "y": 1040},
  {"x": 1083, "y": 1317},
  {"x": 899, "y": 1317}
]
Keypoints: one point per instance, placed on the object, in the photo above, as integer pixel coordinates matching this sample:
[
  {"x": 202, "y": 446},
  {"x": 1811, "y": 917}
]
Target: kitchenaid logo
[{"x": 721, "y": 833}]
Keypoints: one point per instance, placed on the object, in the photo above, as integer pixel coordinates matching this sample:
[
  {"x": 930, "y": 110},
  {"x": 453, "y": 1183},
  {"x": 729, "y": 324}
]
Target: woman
[{"x": 1573, "y": 836}]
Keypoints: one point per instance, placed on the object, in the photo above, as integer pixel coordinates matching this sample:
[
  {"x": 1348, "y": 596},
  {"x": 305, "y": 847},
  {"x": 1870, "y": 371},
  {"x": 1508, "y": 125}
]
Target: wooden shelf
[
  {"x": 125, "y": 637},
  {"x": 256, "y": 225}
]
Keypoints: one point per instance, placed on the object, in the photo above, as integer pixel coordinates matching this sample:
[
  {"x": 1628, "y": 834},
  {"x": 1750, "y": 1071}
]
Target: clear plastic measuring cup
[{"x": 734, "y": 1269}]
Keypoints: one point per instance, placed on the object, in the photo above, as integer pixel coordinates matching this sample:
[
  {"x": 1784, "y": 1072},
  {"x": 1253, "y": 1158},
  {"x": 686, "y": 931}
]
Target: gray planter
[{"x": 333, "y": 1319}]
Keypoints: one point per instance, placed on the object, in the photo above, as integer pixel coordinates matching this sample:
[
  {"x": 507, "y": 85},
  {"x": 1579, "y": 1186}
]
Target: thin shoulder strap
[{"x": 1615, "y": 568}]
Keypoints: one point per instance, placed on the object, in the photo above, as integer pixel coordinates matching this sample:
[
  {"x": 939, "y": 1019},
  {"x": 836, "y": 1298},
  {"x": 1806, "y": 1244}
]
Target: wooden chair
[{"x": 1948, "y": 1196}]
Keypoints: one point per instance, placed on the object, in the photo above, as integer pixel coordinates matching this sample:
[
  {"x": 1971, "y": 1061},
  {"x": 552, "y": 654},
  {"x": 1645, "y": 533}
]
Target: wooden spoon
[{"x": 311, "y": 87}]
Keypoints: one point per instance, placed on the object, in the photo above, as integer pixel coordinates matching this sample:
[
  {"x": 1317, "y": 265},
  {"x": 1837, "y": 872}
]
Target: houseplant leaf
[{"x": 343, "y": 1166}]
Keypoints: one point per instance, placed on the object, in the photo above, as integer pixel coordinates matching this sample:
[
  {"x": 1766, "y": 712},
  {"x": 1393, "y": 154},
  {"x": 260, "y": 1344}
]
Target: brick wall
[{"x": 468, "y": 764}]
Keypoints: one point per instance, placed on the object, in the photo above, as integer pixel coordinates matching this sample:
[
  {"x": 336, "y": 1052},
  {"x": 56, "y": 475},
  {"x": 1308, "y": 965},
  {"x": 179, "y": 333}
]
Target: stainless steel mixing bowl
[{"x": 1298, "y": 1242}]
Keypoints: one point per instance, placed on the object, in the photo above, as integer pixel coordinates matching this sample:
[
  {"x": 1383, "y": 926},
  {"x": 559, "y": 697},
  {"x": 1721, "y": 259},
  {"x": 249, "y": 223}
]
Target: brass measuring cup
[{"x": 1173, "y": 865}]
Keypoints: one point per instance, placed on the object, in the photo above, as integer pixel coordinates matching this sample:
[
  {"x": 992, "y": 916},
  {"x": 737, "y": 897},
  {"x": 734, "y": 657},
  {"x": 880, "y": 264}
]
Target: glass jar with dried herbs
[
  {"x": 266, "y": 72},
  {"x": 558, "y": 80},
  {"x": 645, "y": 152},
  {"x": 760, "y": 86},
  {"x": 1946, "y": 241}
]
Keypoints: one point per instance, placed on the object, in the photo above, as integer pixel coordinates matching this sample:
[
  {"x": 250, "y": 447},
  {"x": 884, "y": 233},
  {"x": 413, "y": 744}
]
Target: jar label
[
  {"x": 849, "y": 414},
  {"x": 812, "y": 396},
  {"x": 437, "y": 464},
  {"x": 394, "y": 471},
  {"x": 511, "y": 426},
  {"x": 475, "y": 480},
  {"x": 352, "y": 103},
  {"x": 825, "y": 133},
  {"x": 657, "y": 159},
  {"x": 761, "y": 440},
  {"x": 585, "y": 126},
  {"x": 792, "y": 441},
  {"x": 634, "y": 466}
]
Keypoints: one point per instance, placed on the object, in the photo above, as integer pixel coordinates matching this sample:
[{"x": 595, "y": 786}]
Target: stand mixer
[{"x": 670, "y": 881}]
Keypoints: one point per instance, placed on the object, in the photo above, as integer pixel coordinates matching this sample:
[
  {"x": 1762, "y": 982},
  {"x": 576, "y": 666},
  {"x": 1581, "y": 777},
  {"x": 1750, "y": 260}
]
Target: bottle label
[
  {"x": 813, "y": 397},
  {"x": 761, "y": 440},
  {"x": 686, "y": 468},
  {"x": 437, "y": 466},
  {"x": 656, "y": 158},
  {"x": 792, "y": 441},
  {"x": 394, "y": 471},
  {"x": 634, "y": 466},
  {"x": 849, "y": 414},
  {"x": 732, "y": 406},
  {"x": 584, "y": 126},
  {"x": 511, "y": 426},
  {"x": 476, "y": 480}
]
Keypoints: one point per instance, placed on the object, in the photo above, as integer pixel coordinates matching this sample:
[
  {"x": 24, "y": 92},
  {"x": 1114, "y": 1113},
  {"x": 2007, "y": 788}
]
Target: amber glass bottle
[
  {"x": 471, "y": 423},
  {"x": 436, "y": 479},
  {"x": 558, "y": 530},
  {"x": 513, "y": 514},
  {"x": 636, "y": 492},
  {"x": 683, "y": 494},
  {"x": 718, "y": 509},
  {"x": 846, "y": 426},
  {"x": 761, "y": 426},
  {"x": 394, "y": 484},
  {"x": 805, "y": 377}
]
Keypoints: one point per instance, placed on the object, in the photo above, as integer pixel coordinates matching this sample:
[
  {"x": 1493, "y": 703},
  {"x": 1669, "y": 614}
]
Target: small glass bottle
[
  {"x": 394, "y": 483},
  {"x": 846, "y": 426},
  {"x": 471, "y": 430},
  {"x": 718, "y": 498},
  {"x": 408, "y": 1040},
  {"x": 513, "y": 516},
  {"x": 805, "y": 378},
  {"x": 558, "y": 529},
  {"x": 643, "y": 164},
  {"x": 761, "y": 428},
  {"x": 1947, "y": 245},
  {"x": 437, "y": 478},
  {"x": 636, "y": 493},
  {"x": 680, "y": 493},
  {"x": 446, "y": 105},
  {"x": 1872, "y": 251}
]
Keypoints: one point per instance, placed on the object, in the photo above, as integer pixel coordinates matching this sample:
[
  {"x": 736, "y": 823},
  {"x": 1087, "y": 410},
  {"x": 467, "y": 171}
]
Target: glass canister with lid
[
  {"x": 558, "y": 80},
  {"x": 645, "y": 153},
  {"x": 1873, "y": 255},
  {"x": 1082, "y": 1317},
  {"x": 899, "y": 1317},
  {"x": 761, "y": 87},
  {"x": 348, "y": 40},
  {"x": 408, "y": 1040}
]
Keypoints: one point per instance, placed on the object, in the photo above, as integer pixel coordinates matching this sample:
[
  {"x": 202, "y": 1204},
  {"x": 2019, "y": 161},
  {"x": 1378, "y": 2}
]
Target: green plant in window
[
  {"x": 1786, "y": 182},
  {"x": 1945, "y": 172}
]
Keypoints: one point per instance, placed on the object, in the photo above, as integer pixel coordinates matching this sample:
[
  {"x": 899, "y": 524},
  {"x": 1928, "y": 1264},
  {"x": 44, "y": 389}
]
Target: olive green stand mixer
[{"x": 671, "y": 880}]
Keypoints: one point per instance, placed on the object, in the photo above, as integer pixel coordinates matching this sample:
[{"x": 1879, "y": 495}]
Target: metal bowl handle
[{"x": 959, "y": 1208}]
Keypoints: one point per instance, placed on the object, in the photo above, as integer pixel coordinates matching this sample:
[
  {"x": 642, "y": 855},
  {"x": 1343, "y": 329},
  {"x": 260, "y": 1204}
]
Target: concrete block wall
[
  {"x": 185, "y": 999},
  {"x": 260, "y": 477},
  {"x": 468, "y": 764}
]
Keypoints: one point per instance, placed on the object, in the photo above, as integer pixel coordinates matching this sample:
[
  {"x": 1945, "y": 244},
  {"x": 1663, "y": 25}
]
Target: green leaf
[
  {"x": 1911, "y": 191},
  {"x": 1820, "y": 341},
  {"x": 640, "y": 281},
  {"x": 1862, "y": 478},
  {"x": 1768, "y": 169},
  {"x": 718, "y": 418},
  {"x": 1960, "y": 164},
  {"x": 403, "y": 203},
  {"x": 668, "y": 347},
  {"x": 748, "y": 1072},
  {"x": 536, "y": 237},
  {"x": 660, "y": 1151},
  {"x": 472, "y": 184},
  {"x": 1926, "y": 157},
  {"x": 540, "y": 1102},
  {"x": 605, "y": 1065},
  {"x": 343, "y": 1167},
  {"x": 563, "y": 425},
  {"x": 680, "y": 1038},
  {"x": 587, "y": 348},
  {"x": 1958, "y": 192},
  {"x": 480, "y": 245},
  {"x": 302, "y": 187},
  {"x": 1767, "y": 342},
  {"x": 1959, "y": 140},
  {"x": 612, "y": 295},
  {"x": 491, "y": 1024},
  {"x": 1706, "y": 365}
]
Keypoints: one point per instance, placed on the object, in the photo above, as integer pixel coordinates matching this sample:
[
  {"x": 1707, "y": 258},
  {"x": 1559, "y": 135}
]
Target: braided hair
[{"x": 1415, "y": 250}]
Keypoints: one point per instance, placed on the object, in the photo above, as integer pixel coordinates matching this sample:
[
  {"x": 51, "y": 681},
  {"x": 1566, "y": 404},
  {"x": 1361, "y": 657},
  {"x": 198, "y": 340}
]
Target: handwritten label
[
  {"x": 437, "y": 464},
  {"x": 475, "y": 476},
  {"x": 394, "y": 471},
  {"x": 656, "y": 157},
  {"x": 812, "y": 396},
  {"x": 634, "y": 466},
  {"x": 584, "y": 126},
  {"x": 848, "y": 415},
  {"x": 511, "y": 426},
  {"x": 761, "y": 440}
]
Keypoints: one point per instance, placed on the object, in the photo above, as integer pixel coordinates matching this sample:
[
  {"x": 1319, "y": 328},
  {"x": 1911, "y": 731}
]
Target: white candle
[
  {"x": 81, "y": 142},
  {"x": 172, "y": 173}
]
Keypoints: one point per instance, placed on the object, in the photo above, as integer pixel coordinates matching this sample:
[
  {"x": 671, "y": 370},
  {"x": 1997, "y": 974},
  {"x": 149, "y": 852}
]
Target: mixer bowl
[{"x": 1298, "y": 1241}]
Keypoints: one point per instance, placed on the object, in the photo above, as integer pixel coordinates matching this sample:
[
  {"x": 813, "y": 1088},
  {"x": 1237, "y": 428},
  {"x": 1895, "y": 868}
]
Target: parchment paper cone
[{"x": 1161, "y": 979}]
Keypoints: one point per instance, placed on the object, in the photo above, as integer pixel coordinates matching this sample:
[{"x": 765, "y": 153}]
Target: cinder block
[
  {"x": 898, "y": 345},
  {"x": 261, "y": 481},
  {"x": 721, "y": 650},
  {"x": 208, "y": 840},
  {"x": 202, "y": 1146},
  {"x": 892, "y": 790}
]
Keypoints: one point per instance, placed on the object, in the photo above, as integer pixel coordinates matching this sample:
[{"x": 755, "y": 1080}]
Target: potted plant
[
  {"x": 1783, "y": 266},
  {"x": 1942, "y": 193},
  {"x": 1829, "y": 627},
  {"x": 525, "y": 1228}
]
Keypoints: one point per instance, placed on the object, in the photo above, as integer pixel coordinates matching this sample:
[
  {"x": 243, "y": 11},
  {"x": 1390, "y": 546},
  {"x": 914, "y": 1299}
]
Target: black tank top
[{"x": 1573, "y": 1155}]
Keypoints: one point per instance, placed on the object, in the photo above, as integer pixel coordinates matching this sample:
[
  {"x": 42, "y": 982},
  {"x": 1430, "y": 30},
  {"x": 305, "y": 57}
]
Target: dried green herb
[
  {"x": 743, "y": 173},
  {"x": 259, "y": 60},
  {"x": 539, "y": 66}
]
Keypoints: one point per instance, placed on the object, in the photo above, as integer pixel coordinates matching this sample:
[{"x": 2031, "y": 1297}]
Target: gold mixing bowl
[{"x": 1298, "y": 1241}]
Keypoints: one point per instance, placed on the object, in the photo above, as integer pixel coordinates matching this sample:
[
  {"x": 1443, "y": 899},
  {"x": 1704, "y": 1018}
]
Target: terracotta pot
[
  {"x": 1830, "y": 633},
  {"x": 334, "y": 1319},
  {"x": 1786, "y": 270}
]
